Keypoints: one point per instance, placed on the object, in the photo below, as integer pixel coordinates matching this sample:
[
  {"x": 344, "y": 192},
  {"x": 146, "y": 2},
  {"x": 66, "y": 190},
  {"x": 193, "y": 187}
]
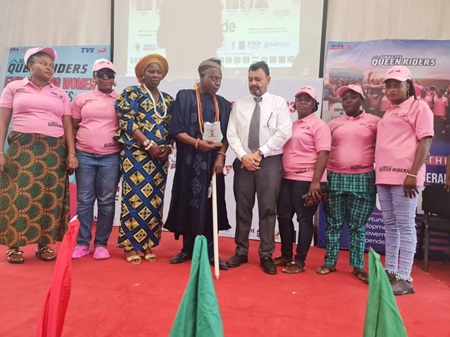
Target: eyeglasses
[
  {"x": 394, "y": 85},
  {"x": 109, "y": 74}
]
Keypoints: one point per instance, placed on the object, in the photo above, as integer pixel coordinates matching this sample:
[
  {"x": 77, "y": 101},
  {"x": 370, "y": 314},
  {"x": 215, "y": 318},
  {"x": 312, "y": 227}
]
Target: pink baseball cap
[
  {"x": 306, "y": 89},
  {"x": 48, "y": 50},
  {"x": 103, "y": 64},
  {"x": 399, "y": 73},
  {"x": 352, "y": 87}
]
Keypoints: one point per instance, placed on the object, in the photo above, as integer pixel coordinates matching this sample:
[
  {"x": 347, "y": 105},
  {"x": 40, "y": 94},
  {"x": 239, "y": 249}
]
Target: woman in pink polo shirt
[
  {"x": 351, "y": 180},
  {"x": 404, "y": 138},
  {"x": 95, "y": 122},
  {"x": 440, "y": 104},
  {"x": 34, "y": 185},
  {"x": 304, "y": 162}
]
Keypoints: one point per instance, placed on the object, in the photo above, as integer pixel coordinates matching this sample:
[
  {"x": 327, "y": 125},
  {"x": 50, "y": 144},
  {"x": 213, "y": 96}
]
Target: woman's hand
[
  {"x": 447, "y": 180},
  {"x": 165, "y": 152},
  {"x": 71, "y": 163},
  {"x": 410, "y": 187},
  {"x": 2, "y": 163},
  {"x": 314, "y": 190},
  {"x": 154, "y": 151}
]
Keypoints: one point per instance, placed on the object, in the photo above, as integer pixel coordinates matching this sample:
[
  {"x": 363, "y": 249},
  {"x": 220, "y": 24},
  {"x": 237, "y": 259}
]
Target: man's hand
[
  {"x": 251, "y": 162},
  {"x": 207, "y": 145}
]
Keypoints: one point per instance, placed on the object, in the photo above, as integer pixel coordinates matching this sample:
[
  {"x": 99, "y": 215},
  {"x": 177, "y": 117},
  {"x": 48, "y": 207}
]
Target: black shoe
[
  {"x": 402, "y": 287},
  {"x": 268, "y": 265},
  {"x": 391, "y": 277},
  {"x": 222, "y": 265},
  {"x": 282, "y": 261},
  {"x": 180, "y": 258},
  {"x": 236, "y": 260}
]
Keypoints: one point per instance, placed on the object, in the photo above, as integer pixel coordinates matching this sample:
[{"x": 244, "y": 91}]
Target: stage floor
[{"x": 115, "y": 298}]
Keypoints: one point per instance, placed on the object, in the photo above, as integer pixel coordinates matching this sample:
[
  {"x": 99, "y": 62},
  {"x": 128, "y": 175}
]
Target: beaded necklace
[
  {"x": 200, "y": 110},
  {"x": 154, "y": 103}
]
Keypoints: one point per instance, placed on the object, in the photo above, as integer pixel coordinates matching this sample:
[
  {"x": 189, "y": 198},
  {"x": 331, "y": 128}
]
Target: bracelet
[
  {"x": 222, "y": 153},
  {"x": 2, "y": 153},
  {"x": 411, "y": 175},
  {"x": 71, "y": 155},
  {"x": 150, "y": 144},
  {"x": 146, "y": 142},
  {"x": 197, "y": 142}
]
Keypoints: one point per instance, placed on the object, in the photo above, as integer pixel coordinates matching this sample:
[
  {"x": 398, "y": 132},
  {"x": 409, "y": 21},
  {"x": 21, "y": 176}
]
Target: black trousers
[
  {"x": 290, "y": 202},
  {"x": 265, "y": 185}
]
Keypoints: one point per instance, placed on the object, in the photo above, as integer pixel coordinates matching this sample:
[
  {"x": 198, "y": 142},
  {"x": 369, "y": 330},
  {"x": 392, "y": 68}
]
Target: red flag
[{"x": 55, "y": 306}]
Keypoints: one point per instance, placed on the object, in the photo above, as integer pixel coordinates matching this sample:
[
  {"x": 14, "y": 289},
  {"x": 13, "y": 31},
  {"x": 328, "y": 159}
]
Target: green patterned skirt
[{"x": 34, "y": 190}]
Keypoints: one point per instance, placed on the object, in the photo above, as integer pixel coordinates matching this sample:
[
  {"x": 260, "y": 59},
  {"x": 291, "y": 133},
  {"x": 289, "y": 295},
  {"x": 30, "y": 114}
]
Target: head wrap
[
  {"x": 208, "y": 64},
  {"x": 148, "y": 59}
]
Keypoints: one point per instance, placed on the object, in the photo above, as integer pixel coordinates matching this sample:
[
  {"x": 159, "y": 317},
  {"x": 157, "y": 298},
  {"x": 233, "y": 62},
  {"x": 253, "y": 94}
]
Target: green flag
[
  {"x": 382, "y": 316},
  {"x": 198, "y": 314}
]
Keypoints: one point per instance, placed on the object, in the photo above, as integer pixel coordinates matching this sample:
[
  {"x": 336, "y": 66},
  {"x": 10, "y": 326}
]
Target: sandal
[
  {"x": 282, "y": 261},
  {"x": 148, "y": 255},
  {"x": 134, "y": 258},
  {"x": 45, "y": 253},
  {"x": 325, "y": 269},
  {"x": 294, "y": 267},
  {"x": 14, "y": 256},
  {"x": 361, "y": 274}
]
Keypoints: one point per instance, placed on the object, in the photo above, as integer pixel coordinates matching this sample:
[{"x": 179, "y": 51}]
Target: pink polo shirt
[
  {"x": 398, "y": 135},
  {"x": 439, "y": 106},
  {"x": 353, "y": 143},
  {"x": 309, "y": 136},
  {"x": 426, "y": 99},
  {"x": 99, "y": 122},
  {"x": 36, "y": 110}
]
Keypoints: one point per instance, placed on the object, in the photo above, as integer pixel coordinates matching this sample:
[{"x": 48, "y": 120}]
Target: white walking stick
[{"x": 215, "y": 226}]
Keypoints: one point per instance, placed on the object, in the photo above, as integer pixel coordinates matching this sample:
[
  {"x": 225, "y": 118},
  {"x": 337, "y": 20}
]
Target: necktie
[{"x": 253, "y": 132}]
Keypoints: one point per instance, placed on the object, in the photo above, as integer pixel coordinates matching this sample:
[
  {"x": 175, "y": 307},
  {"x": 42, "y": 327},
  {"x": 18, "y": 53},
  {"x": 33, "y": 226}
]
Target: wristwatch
[{"x": 261, "y": 153}]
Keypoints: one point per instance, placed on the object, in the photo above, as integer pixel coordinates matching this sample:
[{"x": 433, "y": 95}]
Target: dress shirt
[{"x": 275, "y": 125}]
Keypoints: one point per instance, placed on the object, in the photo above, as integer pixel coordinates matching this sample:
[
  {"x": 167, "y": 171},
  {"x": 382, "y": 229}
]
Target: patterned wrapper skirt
[
  {"x": 143, "y": 187},
  {"x": 34, "y": 190}
]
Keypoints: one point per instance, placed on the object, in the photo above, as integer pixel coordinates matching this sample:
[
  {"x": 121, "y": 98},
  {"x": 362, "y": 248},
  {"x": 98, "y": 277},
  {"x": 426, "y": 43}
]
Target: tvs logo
[{"x": 87, "y": 50}]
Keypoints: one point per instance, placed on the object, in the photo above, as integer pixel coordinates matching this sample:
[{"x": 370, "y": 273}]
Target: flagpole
[{"x": 215, "y": 226}]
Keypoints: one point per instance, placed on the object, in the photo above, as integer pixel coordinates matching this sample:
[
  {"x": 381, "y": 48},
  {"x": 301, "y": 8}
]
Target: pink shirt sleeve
[
  {"x": 6, "y": 99},
  {"x": 423, "y": 123},
  {"x": 76, "y": 107}
]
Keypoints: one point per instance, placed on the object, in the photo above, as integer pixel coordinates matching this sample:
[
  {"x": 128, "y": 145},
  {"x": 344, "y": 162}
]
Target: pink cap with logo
[
  {"x": 306, "y": 89},
  {"x": 352, "y": 87},
  {"x": 399, "y": 73},
  {"x": 103, "y": 64},
  {"x": 48, "y": 50}
]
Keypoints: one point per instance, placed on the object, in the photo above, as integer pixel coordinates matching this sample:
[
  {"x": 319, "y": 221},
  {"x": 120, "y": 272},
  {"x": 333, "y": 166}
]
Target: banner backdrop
[
  {"x": 365, "y": 64},
  {"x": 73, "y": 67}
]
